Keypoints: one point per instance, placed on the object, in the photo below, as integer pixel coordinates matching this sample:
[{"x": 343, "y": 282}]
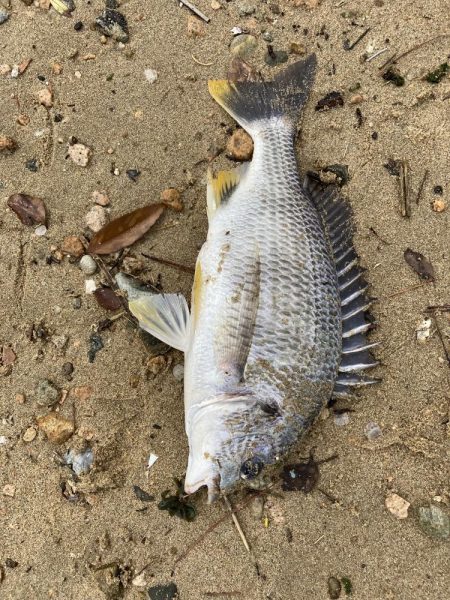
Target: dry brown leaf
[
  {"x": 30, "y": 210},
  {"x": 125, "y": 230},
  {"x": 420, "y": 264}
]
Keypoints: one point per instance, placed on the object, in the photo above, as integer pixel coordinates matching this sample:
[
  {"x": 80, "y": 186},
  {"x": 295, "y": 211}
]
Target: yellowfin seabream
[{"x": 277, "y": 322}]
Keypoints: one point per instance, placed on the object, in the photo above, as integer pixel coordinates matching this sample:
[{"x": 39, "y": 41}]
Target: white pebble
[
  {"x": 90, "y": 286},
  {"x": 372, "y": 431},
  {"x": 3, "y": 440},
  {"x": 151, "y": 460},
  {"x": 96, "y": 218},
  {"x": 80, "y": 154},
  {"x": 178, "y": 372},
  {"x": 40, "y": 231},
  {"x": 342, "y": 419},
  {"x": 88, "y": 265},
  {"x": 151, "y": 75},
  {"x": 15, "y": 72}
]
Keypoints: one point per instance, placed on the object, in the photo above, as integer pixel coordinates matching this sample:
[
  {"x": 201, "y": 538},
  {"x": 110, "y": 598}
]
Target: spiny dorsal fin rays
[
  {"x": 222, "y": 186},
  {"x": 165, "y": 316}
]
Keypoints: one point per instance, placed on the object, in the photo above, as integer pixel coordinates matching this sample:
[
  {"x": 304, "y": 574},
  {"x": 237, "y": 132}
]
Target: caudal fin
[{"x": 252, "y": 103}]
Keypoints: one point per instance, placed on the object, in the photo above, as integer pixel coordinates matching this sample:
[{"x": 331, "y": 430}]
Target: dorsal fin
[
  {"x": 337, "y": 218},
  {"x": 222, "y": 186}
]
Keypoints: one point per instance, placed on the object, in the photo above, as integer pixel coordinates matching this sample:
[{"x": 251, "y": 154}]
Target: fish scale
[{"x": 277, "y": 323}]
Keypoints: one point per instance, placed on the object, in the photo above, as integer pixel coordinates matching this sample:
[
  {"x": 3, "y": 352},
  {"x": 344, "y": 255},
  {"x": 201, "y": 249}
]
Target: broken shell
[{"x": 7, "y": 143}]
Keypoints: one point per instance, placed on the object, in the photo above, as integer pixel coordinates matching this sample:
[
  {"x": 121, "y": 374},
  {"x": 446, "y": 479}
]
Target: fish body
[{"x": 264, "y": 340}]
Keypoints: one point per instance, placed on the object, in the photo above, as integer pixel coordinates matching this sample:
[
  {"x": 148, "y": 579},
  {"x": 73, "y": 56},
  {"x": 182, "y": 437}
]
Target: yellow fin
[
  {"x": 197, "y": 292},
  {"x": 220, "y": 187}
]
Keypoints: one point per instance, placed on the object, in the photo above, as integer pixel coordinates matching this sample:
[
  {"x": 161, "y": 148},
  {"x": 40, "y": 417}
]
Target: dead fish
[{"x": 277, "y": 322}]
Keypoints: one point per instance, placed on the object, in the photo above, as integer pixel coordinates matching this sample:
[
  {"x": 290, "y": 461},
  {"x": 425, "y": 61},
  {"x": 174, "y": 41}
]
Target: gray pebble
[
  {"x": 88, "y": 265},
  {"x": 76, "y": 303},
  {"x": 47, "y": 393},
  {"x": 434, "y": 521},
  {"x": 67, "y": 370},
  {"x": 81, "y": 462},
  {"x": 334, "y": 588},
  {"x": 4, "y": 15},
  {"x": 178, "y": 372},
  {"x": 245, "y": 9},
  {"x": 372, "y": 431},
  {"x": 267, "y": 37},
  {"x": 342, "y": 419}
]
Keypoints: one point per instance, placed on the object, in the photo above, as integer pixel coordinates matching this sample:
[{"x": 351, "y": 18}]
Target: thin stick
[
  {"x": 441, "y": 337},
  {"x": 422, "y": 183},
  {"x": 405, "y": 208},
  {"x": 199, "y": 62},
  {"x": 382, "y": 51},
  {"x": 396, "y": 58},
  {"x": 195, "y": 10},
  {"x": 236, "y": 523},
  {"x": 439, "y": 307},
  {"x": 388, "y": 62},
  {"x": 169, "y": 263},
  {"x": 401, "y": 292},
  {"x": 362, "y": 36}
]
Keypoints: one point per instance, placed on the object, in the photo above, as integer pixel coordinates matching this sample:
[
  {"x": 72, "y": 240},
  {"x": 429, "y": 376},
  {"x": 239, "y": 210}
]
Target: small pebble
[
  {"x": 100, "y": 197},
  {"x": 3, "y": 440},
  {"x": 10, "y": 563},
  {"x": 95, "y": 345},
  {"x": 133, "y": 174},
  {"x": 178, "y": 372},
  {"x": 32, "y": 165},
  {"x": 438, "y": 190},
  {"x": 67, "y": 370},
  {"x": 397, "y": 506},
  {"x": 20, "y": 398},
  {"x": 88, "y": 265},
  {"x": 29, "y": 434},
  {"x": 215, "y": 5},
  {"x": 4, "y": 15},
  {"x": 5, "y": 69},
  {"x": 113, "y": 24},
  {"x": 195, "y": 27},
  {"x": 76, "y": 303},
  {"x": 57, "y": 428},
  {"x": 7, "y": 143},
  {"x": 372, "y": 431},
  {"x": 356, "y": 99},
  {"x": 243, "y": 45},
  {"x": 434, "y": 521},
  {"x": 334, "y": 588},
  {"x": 80, "y": 154},
  {"x": 438, "y": 205},
  {"x": 267, "y": 37},
  {"x": 297, "y": 48},
  {"x": 45, "y": 97},
  {"x": 9, "y": 490},
  {"x": 245, "y": 9},
  {"x": 60, "y": 341},
  {"x": 156, "y": 364},
  {"x": 46, "y": 393},
  {"x": 341, "y": 419},
  {"x": 40, "y": 231},
  {"x": 150, "y": 75},
  {"x": 423, "y": 330},
  {"x": 73, "y": 246},
  {"x": 240, "y": 145},
  {"x": 163, "y": 592},
  {"x": 171, "y": 197},
  {"x": 78, "y": 26},
  {"x": 80, "y": 462},
  {"x": 96, "y": 218},
  {"x": 90, "y": 286}
]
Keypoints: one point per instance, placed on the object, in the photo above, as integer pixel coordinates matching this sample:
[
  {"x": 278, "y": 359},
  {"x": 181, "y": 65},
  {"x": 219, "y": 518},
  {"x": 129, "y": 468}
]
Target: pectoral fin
[
  {"x": 235, "y": 337},
  {"x": 221, "y": 187},
  {"x": 165, "y": 316}
]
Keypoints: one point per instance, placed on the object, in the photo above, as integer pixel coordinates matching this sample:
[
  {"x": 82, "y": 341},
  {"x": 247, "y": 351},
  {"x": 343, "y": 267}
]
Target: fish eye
[{"x": 251, "y": 468}]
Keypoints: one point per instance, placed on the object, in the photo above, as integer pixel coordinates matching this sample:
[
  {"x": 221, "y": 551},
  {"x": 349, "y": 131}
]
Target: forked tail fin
[{"x": 253, "y": 103}]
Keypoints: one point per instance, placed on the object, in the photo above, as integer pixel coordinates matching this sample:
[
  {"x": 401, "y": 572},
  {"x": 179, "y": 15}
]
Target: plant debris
[
  {"x": 420, "y": 264},
  {"x": 125, "y": 230},
  {"x": 334, "y": 588},
  {"x": 348, "y": 587},
  {"x": 142, "y": 495},
  {"x": 239, "y": 70},
  {"x": 7, "y": 143},
  {"x": 331, "y": 100},
  {"x": 393, "y": 75},
  {"x": 438, "y": 74},
  {"x": 95, "y": 345},
  {"x": 303, "y": 476},
  {"x": 176, "y": 504},
  {"x": 30, "y": 210},
  {"x": 341, "y": 172},
  {"x": 393, "y": 167},
  {"x": 64, "y": 7},
  {"x": 107, "y": 298},
  {"x": 113, "y": 24}
]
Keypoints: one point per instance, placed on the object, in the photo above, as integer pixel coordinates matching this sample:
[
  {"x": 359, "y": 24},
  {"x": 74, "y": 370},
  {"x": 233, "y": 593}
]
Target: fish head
[{"x": 232, "y": 442}]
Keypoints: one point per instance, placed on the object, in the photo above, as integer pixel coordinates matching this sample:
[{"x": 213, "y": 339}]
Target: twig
[
  {"x": 441, "y": 307},
  {"x": 388, "y": 62},
  {"x": 404, "y": 291},
  {"x": 201, "y": 63},
  {"x": 396, "y": 58},
  {"x": 422, "y": 183},
  {"x": 236, "y": 523},
  {"x": 382, "y": 51},
  {"x": 318, "y": 539},
  {"x": 362, "y": 36},
  {"x": 195, "y": 10},
  {"x": 377, "y": 235},
  {"x": 169, "y": 263},
  {"x": 405, "y": 208},
  {"x": 441, "y": 337}
]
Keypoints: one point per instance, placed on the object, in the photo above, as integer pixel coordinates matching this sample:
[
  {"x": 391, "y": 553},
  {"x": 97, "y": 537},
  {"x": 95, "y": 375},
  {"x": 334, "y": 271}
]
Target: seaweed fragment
[
  {"x": 176, "y": 504},
  {"x": 393, "y": 75},
  {"x": 438, "y": 74}
]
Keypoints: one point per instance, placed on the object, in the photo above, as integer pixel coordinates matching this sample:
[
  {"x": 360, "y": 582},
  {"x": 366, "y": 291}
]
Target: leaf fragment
[
  {"x": 29, "y": 209},
  {"x": 125, "y": 230},
  {"x": 420, "y": 264}
]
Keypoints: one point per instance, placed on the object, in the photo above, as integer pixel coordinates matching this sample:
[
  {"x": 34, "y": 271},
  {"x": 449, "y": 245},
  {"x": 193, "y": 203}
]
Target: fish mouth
[{"x": 212, "y": 483}]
